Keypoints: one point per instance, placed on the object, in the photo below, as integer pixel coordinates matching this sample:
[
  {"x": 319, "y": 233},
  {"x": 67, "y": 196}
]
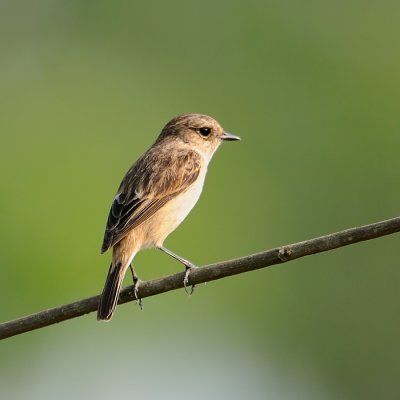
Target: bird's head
[{"x": 198, "y": 131}]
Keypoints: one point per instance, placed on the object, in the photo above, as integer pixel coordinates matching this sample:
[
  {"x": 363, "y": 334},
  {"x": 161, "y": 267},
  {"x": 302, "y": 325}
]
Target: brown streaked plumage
[
  {"x": 156, "y": 194},
  {"x": 143, "y": 192}
]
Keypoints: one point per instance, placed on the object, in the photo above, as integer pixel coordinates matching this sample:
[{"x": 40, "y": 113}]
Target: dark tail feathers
[{"x": 110, "y": 295}]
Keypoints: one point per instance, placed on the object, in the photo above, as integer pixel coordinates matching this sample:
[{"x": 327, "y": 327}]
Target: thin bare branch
[{"x": 207, "y": 273}]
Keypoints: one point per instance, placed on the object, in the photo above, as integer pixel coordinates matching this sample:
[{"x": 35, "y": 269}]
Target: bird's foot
[
  {"x": 138, "y": 299},
  {"x": 136, "y": 284},
  {"x": 189, "y": 268}
]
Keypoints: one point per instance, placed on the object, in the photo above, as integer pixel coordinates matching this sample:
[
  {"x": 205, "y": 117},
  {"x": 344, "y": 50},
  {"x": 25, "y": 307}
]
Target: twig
[{"x": 205, "y": 274}]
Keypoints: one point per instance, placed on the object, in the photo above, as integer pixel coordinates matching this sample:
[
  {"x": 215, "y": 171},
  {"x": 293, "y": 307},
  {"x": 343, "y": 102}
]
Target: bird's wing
[{"x": 145, "y": 189}]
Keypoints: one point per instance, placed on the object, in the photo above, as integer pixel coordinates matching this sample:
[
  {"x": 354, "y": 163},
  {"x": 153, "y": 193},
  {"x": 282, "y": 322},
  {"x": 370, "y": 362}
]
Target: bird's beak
[{"x": 229, "y": 136}]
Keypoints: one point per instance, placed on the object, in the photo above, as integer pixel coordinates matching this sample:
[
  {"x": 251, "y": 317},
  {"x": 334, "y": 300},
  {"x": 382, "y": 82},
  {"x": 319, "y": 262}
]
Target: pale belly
[{"x": 168, "y": 218}]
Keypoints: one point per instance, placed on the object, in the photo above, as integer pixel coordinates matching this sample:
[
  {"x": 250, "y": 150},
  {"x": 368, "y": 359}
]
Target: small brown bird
[{"x": 156, "y": 195}]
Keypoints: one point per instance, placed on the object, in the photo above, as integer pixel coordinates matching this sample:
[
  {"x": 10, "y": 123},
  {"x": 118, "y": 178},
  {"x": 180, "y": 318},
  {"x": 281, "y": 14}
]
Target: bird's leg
[
  {"x": 188, "y": 265},
  {"x": 136, "y": 283}
]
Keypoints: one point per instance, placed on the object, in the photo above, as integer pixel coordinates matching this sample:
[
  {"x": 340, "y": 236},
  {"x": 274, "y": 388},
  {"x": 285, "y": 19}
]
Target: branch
[{"x": 207, "y": 273}]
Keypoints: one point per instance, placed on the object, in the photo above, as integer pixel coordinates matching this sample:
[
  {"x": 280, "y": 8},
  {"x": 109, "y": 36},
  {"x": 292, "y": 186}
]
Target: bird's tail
[{"x": 110, "y": 295}]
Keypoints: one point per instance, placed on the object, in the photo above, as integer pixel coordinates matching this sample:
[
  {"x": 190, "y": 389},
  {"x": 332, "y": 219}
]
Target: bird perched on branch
[{"x": 155, "y": 196}]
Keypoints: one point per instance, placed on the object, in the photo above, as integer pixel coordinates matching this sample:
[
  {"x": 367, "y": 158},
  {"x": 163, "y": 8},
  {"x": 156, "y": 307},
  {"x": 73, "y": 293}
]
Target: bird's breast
[
  {"x": 177, "y": 209},
  {"x": 168, "y": 218}
]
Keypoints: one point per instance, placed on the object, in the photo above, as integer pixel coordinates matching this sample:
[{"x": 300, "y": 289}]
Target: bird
[{"x": 155, "y": 196}]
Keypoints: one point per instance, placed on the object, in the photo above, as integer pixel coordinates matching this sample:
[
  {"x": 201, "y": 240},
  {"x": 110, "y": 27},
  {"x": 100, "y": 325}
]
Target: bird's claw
[
  {"x": 138, "y": 300},
  {"x": 189, "y": 268},
  {"x": 136, "y": 283}
]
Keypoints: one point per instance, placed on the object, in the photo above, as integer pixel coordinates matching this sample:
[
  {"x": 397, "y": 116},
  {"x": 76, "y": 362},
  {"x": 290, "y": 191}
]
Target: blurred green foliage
[{"x": 313, "y": 90}]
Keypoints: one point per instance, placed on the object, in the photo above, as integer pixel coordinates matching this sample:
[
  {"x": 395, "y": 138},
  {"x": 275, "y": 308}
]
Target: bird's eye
[{"x": 204, "y": 131}]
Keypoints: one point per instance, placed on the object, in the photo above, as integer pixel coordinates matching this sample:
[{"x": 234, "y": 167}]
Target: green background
[{"x": 313, "y": 89}]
